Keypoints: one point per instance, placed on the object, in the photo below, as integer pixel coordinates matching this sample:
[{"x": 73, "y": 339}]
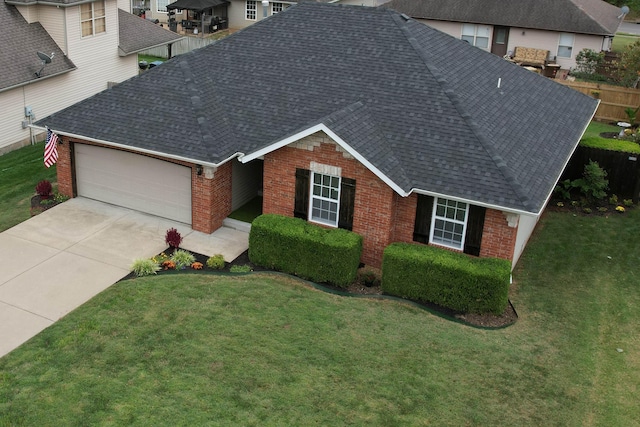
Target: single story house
[
  {"x": 562, "y": 27},
  {"x": 346, "y": 116},
  {"x": 90, "y": 46}
]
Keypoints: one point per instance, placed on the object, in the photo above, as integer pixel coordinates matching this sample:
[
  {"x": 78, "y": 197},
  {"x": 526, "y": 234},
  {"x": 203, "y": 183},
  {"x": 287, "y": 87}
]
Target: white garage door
[{"x": 134, "y": 181}]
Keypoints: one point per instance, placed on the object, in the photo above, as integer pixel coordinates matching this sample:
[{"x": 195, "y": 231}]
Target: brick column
[
  {"x": 498, "y": 237},
  {"x": 64, "y": 167},
  {"x": 210, "y": 197}
]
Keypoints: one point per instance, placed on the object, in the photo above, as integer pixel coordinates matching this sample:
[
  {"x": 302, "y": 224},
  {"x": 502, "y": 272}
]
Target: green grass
[
  {"x": 249, "y": 211},
  {"x": 591, "y": 138},
  {"x": 20, "y": 171},
  {"x": 150, "y": 58},
  {"x": 622, "y": 40},
  {"x": 271, "y": 351}
]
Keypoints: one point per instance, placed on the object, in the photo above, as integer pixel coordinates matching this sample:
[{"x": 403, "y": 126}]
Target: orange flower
[
  {"x": 196, "y": 266},
  {"x": 168, "y": 265}
]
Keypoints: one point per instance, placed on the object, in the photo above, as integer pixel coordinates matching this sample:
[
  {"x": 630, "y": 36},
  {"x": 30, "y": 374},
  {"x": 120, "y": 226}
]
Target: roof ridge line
[
  {"x": 196, "y": 101},
  {"x": 466, "y": 116},
  {"x": 586, "y": 12}
]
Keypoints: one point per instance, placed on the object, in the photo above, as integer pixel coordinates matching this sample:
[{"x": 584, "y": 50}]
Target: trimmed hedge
[
  {"x": 297, "y": 247},
  {"x": 449, "y": 279}
]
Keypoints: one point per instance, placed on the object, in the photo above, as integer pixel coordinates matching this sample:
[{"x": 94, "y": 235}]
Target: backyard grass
[
  {"x": 268, "y": 350},
  {"x": 592, "y": 138},
  {"x": 622, "y": 40},
  {"x": 20, "y": 171}
]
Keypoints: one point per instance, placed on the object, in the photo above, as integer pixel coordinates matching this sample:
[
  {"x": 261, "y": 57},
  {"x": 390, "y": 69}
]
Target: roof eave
[
  {"x": 137, "y": 149},
  {"x": 322, "y": 127},
  {"x": 39, "y": 79},
  {"x": 122, "y": 52}
]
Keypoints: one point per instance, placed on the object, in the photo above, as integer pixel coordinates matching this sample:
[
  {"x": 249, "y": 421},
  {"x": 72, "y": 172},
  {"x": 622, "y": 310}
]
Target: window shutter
[
  {"x": 347, "y": 203},
  {"x": 422, "y": 226},
  {"x": 475, "y": 224},
  {"x": 301, "y": 204}
]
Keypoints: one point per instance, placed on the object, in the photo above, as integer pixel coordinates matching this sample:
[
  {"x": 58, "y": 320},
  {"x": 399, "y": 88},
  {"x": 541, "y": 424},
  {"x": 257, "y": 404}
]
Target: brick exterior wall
[
  {"x": 381, "y": 216},
  {"x": 210, "y": 198},
  {"x": 498, "y": 238},
  {"x": 374, "y": 201},
  {"x": 64, "y": 168}
]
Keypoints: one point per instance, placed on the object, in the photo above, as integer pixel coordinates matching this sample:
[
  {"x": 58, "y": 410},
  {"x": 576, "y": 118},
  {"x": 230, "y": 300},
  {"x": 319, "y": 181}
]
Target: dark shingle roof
[
  {"x": 572, "y": 16},
  {"x": 20, "y": 43},
  {"x": 137, "y": 34},
  {"x": 428, "y": 111}
]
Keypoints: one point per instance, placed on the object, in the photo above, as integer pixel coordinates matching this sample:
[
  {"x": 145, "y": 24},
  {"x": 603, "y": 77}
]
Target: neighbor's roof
[
  {"x": 427, "y": 112},
  {"x": 20, "y": 43},
  {"x": 138, "y": 34},
  {"x": 572, "y": 16}
]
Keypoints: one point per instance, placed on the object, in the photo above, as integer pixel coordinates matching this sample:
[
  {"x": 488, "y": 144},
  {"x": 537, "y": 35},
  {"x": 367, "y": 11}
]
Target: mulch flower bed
[{"x": 357, "y": 289}]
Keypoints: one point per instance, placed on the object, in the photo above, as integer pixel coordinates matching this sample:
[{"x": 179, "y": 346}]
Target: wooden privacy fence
[
  {"x": 623, "y": 170},
  {"x": 184, "y": 45},
  {"x": 613, "y": 99}
]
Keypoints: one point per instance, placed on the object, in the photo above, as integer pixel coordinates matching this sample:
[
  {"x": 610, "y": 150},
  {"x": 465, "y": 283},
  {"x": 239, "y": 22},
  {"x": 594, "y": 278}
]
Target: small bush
[
  {"x": 613, "y": 200},
  {"x": 449, "y": 279},
  {"x": 173, "y": 238},
  {"x": 627, "y": 202},
  {"x": 594, "y": 182},
  {"x": 368, "y": 277},
  {"x": 240, "y": 269},
  {"x": 216, "y": 262},
  {"x": 298, "y": 247},
  {"x": 44, "y": 188},
  {"x": 182, "y": 259},
  {"x": 144, "y": 267}
]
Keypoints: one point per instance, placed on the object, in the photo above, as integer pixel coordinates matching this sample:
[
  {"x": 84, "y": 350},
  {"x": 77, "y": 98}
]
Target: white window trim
[
  {"x": 475, "y": 36},
  {"x": 434, "y": 216},
  {"x": 280, "y": 5},
  {"x": 322, "y": 170},
  {"x": 93, "y": 19},
  {"x": 570, "y": 47},
  {"x": 254, "y": 10}
]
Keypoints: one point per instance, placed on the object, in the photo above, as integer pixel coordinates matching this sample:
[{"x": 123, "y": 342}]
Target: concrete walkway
[{"x": 58, "y": 260}]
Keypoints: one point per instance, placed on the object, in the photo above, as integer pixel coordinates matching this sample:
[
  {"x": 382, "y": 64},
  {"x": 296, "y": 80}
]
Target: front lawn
[
  {"x": 20, "y": 171},
  {"x": 269, "y": 350}
]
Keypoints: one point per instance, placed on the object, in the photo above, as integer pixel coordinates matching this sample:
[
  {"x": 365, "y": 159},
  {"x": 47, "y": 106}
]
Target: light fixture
[{"x": 199, "y": 169}]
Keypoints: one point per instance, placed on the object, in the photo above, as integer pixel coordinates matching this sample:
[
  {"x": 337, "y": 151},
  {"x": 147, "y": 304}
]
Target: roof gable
[
  {"x": 423, "y": 109},
  {"x": 137, "y": 34},
  {"x": 20, "y": 43},
  {"x": 573, "y": 16}
]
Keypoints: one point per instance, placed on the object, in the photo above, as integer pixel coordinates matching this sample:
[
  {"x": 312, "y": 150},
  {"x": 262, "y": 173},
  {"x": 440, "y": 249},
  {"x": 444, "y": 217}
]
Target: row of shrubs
[
  {"x": 418, "y": 272},
  {"x": 297, "y": 247}
]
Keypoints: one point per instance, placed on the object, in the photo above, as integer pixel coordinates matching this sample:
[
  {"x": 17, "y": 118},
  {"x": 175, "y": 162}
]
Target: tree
[{"x": 629, "y": 65}]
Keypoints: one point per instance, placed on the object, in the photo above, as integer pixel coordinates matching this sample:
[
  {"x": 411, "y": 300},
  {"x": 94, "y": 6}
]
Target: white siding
[
  {"x": 246, "y": 182},
  {"x": 525, "y": 37},
  {"x": 52, "y": 19},
  {"x": 526, "y": 225},
  {"x": 97, "y": 62}
]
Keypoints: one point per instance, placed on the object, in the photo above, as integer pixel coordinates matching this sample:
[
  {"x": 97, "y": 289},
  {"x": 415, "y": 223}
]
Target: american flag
[{"x": 51, "y": 149}]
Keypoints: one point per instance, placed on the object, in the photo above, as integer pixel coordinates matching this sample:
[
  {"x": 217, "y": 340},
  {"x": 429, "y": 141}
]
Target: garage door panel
[{"x": 134, "y": 181}]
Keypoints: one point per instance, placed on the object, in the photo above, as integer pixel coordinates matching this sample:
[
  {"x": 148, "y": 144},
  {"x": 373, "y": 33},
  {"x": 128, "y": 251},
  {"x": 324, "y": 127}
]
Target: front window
[
  {"x": 325, "y": 198},
  {"x": 92, "y": 18},
  {"x": 449, "y": 223},
  {"x": 251, "y": 10},
  {"x": 565, "y": 45},
  {"x": 476, "y": 35}
]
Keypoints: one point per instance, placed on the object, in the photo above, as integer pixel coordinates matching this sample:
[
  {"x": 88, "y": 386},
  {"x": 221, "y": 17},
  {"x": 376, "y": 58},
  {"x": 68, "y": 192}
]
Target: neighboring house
[
  {"x": 92, "y": 45},
  {"x": 346, "y": 116},
  {"x": 563, "y": 27}
]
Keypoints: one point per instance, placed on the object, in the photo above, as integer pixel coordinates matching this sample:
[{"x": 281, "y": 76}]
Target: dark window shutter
[
  {"x": 347, "y": 203},
  {"x": 422, "y": 226},
  {"x": 301, "y": 204},
  {"x": 475, "y": 224}
]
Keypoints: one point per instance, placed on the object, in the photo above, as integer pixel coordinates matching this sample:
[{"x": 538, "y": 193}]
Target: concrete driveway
[{"x": 58, "y": 260}]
